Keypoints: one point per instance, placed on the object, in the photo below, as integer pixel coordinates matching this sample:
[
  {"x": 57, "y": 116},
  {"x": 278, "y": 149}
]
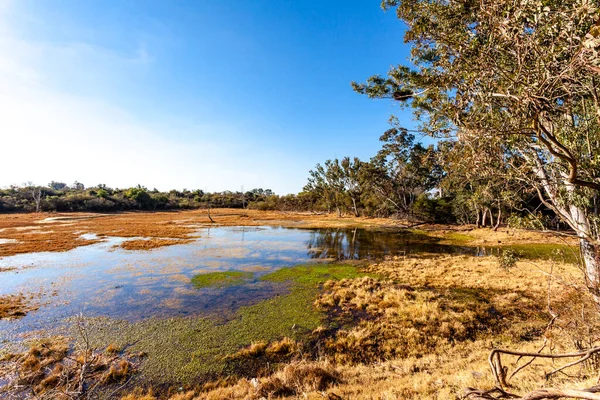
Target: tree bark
[
  {"x": 498, "y": 219},
  {"x": 354, "y": 206},
  {"x": 577, "y": 219}
]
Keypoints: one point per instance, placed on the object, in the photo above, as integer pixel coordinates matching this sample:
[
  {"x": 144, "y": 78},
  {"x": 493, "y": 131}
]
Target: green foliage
[
  {"x": 508, "y": 258},
  {"x": 528, "y": 221},
  {"x": 433, "y": 209},
  {"x": 101, "y": 198},
  {"x": 492, "y": 77}
]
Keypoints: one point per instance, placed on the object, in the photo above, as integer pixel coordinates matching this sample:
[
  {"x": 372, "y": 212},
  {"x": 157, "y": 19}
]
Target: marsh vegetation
[
  {"x": 351, "y": 288},
  {"x": 348, "y": 307}
]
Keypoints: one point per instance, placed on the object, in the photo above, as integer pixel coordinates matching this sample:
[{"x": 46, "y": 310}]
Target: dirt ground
[{"x": 27, "y": 233}]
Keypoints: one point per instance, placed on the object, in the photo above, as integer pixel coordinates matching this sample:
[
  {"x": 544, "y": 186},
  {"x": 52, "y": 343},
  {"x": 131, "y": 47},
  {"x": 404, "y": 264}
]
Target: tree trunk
[
  {"x": 209, "y": 217},
  {"x": 354, "y": 206},
  {"x": 498, "y": 220},
  {"x": 478, "y": 218},
  {"x": 484, "y": 217},
  {"x": 37, "y": 198},
  {"x": 577, "y": 219},
  {"x": 339, "y": 211}
]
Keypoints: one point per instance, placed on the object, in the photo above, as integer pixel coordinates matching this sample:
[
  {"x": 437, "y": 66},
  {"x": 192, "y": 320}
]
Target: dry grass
[
  {"x": 49, "y": 370},
  {"x": 16, "y": 306},
  {"x": 296, "y": 379},
  {"x": 470, "y": 235},
  {"x": 283, "y": 347},
  {"x": 424, "y": 331},
  {"x": 61, "y": 231},
  {"x": 150, "y": 244}
]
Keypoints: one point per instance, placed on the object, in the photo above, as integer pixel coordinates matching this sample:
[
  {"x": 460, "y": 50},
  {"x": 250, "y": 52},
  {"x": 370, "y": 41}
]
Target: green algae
[
  {"x": 220, "y": 279},
  {"x": 191, "y": 350},
  {"x": 314, "y": 274},
  {"x": 457, "y": 237},
  {"x": 546, "y": 251}
]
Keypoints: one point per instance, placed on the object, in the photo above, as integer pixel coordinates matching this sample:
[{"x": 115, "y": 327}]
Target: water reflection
[
  {"x": 355, "y": 244},
  {"x": 105, "y": 280}
]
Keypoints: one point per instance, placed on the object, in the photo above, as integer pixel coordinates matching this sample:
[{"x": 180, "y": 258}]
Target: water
[{"x": 104, "y": 280}]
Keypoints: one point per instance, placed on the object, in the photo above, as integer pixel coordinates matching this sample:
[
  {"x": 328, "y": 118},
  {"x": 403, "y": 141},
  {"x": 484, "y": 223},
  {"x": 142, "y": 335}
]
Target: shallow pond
[{"x": 104, "y": 280}]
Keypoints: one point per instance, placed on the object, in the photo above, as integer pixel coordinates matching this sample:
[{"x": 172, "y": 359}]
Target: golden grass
[
  {"x": 16, "y": 306},
  {"x": 425, "y": 330},
  {"x": 150, "y": 244},
  {"x": 470, "y": 235},
  {"x": 50, "y": 370}
]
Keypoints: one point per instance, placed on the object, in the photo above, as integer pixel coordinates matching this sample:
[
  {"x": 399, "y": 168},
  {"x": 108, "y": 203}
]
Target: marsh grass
[
  {"x": 195, "y": 350},
  {"x": 51, "y": 369},
  {"x": 220, "y": 279},
  {"x": 423, "y": 329},
  {"x": 151, "y": 243},
  {"x": 16, "y": 306}
]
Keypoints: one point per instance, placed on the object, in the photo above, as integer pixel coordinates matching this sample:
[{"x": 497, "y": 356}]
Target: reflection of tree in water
[{"x": 353, "y": 244}]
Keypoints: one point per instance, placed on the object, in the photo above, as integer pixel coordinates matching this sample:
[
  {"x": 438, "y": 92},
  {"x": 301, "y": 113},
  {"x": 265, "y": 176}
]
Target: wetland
[{"x": 211, "y": 301}]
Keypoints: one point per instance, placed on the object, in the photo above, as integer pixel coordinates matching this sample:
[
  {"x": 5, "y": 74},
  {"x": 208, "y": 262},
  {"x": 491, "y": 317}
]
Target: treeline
[
  {"x": 58, "y": 196},
  {"x": 446, "y": 183},
  {"x": 405, "y": 179}
]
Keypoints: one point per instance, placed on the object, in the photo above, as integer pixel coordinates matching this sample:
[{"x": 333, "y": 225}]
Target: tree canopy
[{"x": 519, "y": 79}]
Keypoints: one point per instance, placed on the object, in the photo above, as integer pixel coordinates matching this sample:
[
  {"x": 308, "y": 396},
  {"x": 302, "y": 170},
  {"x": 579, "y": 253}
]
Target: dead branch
[
  {"x": 540, "y": 394},
  {"x": 500, "y": 373}
]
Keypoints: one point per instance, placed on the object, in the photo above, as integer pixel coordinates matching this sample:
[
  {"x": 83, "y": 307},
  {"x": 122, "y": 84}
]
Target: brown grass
[
  {"x": 49, "y": 370},
  {"x": 61, "y": 231},
  {"x": 424, "y": 331},
  {"x": 150, "y": 244},
  {"x": 16, "y": 306}
]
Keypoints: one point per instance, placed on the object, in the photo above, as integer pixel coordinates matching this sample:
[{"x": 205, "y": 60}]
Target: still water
[{"x": 105, "y": 280}]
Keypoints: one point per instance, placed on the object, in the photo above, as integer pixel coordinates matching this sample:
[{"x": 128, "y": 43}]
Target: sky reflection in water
[{"x": 103, "y": 280}]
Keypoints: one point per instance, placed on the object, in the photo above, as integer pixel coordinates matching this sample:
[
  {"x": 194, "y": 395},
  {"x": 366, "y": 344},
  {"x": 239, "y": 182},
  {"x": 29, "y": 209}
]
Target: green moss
[
  {"x": 458, "y": 237},
  {"x": 188, "y": 350},
  {"x": 314, "y": 274},
  {"x": 546, "y": 251},
  {"x": 220, "y": 279}
]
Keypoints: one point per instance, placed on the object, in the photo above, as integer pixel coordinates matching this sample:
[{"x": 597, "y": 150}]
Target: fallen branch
[
  {"x": 499, "y": 372},
  {"x": 540, "y": 394}
]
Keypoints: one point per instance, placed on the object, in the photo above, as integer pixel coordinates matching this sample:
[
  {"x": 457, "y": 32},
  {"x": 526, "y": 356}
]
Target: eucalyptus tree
[
  {"x": 351, "y": 178},
  {"x": 524, "y": 73},
  {"x": 410, "y": 168},
  {"x": 326, "y": 182},
  {"x": 338, "y": 184},
  {"x": 481, "y": 181}
]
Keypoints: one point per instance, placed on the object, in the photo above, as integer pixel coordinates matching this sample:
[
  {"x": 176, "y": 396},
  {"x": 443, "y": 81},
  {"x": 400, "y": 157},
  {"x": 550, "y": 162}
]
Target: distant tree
[
  {"x": 351, "y": 178},
  {"x": 327, "y": 182},
  {"x": 140, "y": 195},
  {"x": 57, "y": 185},
  {"x": 36, "y": 194}
]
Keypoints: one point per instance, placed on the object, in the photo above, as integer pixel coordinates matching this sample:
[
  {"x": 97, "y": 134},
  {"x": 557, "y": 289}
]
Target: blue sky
[{"x": 209, "y": 94}]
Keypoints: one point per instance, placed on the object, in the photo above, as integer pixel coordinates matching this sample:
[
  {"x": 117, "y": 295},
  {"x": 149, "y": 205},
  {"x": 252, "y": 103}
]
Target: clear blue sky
[{"x": 209, "y": 94}]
